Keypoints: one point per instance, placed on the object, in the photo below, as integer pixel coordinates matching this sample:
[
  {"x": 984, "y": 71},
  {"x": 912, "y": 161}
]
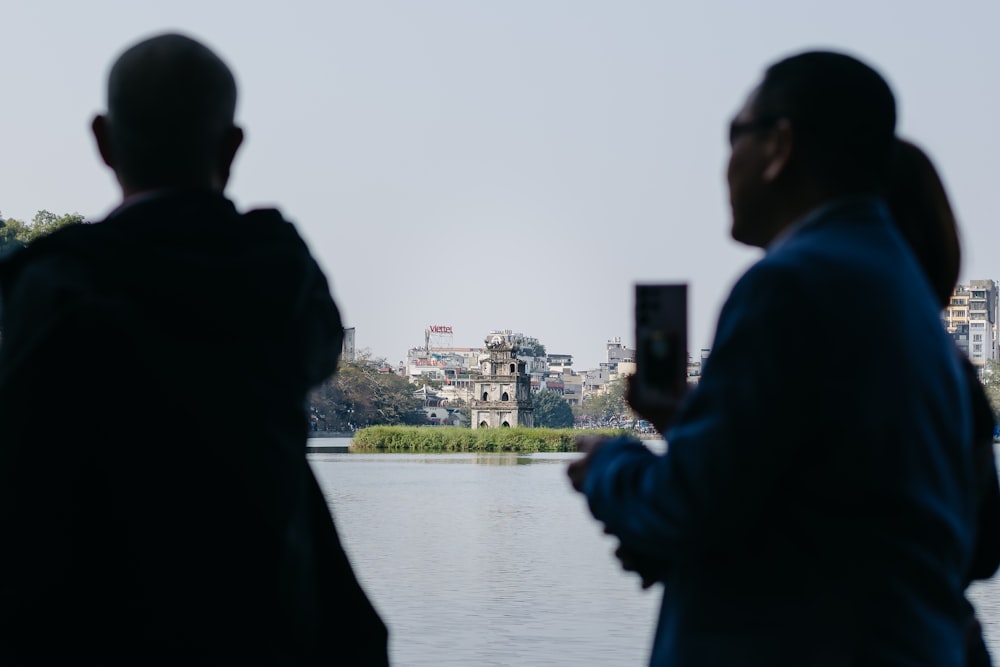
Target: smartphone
[{"x": 660, "y": 344}]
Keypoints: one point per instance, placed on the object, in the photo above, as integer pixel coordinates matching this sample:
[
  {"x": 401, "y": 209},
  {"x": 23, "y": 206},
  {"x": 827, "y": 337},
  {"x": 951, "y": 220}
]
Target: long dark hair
[{"x": 922, "y": 212}]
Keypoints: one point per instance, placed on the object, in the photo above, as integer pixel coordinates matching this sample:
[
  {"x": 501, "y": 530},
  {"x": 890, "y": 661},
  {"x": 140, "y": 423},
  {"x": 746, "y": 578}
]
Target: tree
[
  {"x": 990, "y": 378},
  {"x": 362, "y": 393},
  {"x": 10, "y": 232},
  {"x": 551, "y": 410},
  {"x": 608, "y": 403},
  {"x": 530, "y": 347},
  {"x": 15, "y": 233},
  {"x": 421, "y": 381}
]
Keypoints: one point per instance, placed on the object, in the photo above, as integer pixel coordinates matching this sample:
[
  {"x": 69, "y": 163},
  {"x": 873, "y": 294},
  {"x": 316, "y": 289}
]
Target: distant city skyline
[
  {"x": 500, "y": 164},
  {"x": 357, "y": 340}
]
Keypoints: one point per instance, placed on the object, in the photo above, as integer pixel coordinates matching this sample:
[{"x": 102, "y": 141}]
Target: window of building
[
  {"x": 977, "y": 348},
  {"x": 977, "y": 337}
]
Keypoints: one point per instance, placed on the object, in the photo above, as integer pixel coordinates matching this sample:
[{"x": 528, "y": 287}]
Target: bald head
[{"x": 171, "y": 104}]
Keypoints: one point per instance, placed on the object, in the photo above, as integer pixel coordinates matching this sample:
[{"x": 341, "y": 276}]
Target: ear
[
  {"x": 102, "y": 135},
  {"x": 778, "y": 151},
  {"x": 231, "y": 143}
]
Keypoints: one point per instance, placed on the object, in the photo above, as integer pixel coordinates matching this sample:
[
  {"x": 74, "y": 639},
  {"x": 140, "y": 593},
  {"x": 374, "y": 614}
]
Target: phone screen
[
  {"x": 660, "y": 357},
  {"x": 661, "y": 341}
]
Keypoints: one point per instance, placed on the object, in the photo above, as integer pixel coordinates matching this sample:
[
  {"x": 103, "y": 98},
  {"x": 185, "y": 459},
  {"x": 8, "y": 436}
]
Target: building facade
[
  {"x": 617, "y": 353},
  {"x": 971, "y": 319}
]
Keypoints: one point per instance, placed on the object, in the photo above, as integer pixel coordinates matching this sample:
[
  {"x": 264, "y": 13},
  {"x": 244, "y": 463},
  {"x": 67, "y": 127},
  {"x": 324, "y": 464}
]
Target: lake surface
[{"x": 493, "y": 560}]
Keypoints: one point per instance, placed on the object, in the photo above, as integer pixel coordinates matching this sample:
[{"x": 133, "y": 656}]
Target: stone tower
[{"x": 502, "y": 394}]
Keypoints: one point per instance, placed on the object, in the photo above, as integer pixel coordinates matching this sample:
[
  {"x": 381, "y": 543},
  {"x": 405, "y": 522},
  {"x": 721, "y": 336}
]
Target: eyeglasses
[{"x": 737, "y": 129}]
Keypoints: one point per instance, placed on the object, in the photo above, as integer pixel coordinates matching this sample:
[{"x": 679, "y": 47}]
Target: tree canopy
[
  {"x": 551, "y": 410},
  {"x": 363, "y": 393},
  {"x": 529, "y": 346},
  {"x": 991, "y": 384},
  {"x": 15, "y": 233},
  {"x": 609, "y": 403}
]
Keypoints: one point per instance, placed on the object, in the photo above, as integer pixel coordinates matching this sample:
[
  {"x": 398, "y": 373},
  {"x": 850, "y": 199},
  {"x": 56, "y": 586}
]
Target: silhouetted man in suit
[
  {"x": 156, "y": 504},
  {"x": 813, "y": 507}
]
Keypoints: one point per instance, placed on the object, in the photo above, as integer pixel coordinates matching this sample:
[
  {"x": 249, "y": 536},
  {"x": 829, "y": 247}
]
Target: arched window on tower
[
  {"x": 486, "y": 395},
  {"x": 505, "y": 397}
]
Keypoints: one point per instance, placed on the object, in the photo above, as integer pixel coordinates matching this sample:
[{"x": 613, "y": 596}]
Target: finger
[
  {"x": 577, "y": 472},
  {"x": 627, "y": 561},
  {"x": 589, "y": 443},
  {"x": 584, "y": 443}
]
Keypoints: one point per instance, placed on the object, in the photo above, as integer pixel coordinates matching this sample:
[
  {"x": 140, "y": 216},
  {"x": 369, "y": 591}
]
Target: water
[
  {"x": 985, "y": 595},
  {"x": 494, "y": 560}
]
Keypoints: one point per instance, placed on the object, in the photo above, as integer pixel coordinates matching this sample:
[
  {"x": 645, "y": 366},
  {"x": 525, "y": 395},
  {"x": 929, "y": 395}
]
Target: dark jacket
[
  {"x": 156, "y": 504},
  {"x": 814, "y": 507}
]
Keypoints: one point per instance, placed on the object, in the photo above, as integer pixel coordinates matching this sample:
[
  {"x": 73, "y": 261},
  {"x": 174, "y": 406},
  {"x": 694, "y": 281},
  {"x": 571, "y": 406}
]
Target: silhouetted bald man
[{"x": 156, "y": 504}]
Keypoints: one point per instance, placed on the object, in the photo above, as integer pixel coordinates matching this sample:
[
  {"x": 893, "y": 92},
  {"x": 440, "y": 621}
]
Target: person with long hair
[{"x": 923, "y": 214}]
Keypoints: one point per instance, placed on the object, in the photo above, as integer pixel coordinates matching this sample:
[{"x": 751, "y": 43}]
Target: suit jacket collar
[{"x": 844, "y": 207}]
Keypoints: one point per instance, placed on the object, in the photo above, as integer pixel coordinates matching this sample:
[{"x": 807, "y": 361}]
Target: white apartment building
[{"x": 971, "y": 319}]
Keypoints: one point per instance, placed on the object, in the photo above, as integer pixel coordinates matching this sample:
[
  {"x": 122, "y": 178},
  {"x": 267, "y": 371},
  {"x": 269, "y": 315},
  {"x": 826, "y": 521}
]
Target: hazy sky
[{"x": 494, "y": 164}]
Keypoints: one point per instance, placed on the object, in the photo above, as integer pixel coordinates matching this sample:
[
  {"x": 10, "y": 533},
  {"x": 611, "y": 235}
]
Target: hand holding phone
[{"x": 660, "y": 380}]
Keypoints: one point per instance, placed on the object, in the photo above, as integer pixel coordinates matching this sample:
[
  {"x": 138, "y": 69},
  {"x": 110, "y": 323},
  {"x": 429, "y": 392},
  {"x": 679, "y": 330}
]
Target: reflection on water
[{"x": 491, "y": 559}]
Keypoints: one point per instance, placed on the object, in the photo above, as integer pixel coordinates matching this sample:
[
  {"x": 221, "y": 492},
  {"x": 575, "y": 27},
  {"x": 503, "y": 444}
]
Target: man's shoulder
[
  {"x": 207, "y": 221},
  {"x": 772, "y": 273},
  {"x": 842, "y": 248},
  {"x": 184, "y": 225},
  {"x": 816, "y": 270},
  {"x": 271, "y": 222}
]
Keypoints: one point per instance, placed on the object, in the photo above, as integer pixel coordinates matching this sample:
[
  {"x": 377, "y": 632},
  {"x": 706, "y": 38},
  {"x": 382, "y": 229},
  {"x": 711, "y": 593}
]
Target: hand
[
  {"x": 631, "y": 562},
  {"x": 589, "y": 445},
  {"x": 660, "y": 416}
]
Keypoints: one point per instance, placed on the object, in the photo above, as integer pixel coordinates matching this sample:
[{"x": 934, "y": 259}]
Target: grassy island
[{"x": 421, "y": 439}]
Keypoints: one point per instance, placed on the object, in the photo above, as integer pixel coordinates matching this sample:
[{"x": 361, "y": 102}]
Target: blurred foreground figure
[
  {"x": 813, "y": 508},
  {"x": 156, "y": 505}
]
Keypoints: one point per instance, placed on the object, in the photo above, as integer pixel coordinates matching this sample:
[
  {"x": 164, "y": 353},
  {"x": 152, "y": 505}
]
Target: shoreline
[{"x": 451, "y": 439}]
